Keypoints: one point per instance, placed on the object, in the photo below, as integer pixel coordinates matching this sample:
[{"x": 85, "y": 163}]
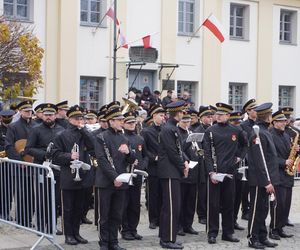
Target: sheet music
[{"x": 195, "y": 137}]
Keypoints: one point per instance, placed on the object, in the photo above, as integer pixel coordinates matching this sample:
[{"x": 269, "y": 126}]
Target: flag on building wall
[
  {"x": 111, "y": 13},
  {"x": 123, "y": 40},
  {"x": 213, "y": 24}
]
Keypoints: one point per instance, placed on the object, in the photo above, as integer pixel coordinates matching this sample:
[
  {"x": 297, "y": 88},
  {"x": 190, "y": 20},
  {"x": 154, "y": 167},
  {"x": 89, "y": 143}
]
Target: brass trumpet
[{"x": 76, "y": 164}]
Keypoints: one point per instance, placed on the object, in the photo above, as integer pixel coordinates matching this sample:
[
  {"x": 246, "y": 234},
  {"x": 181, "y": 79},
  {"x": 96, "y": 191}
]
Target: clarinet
[
  {"x": 213, "y": 152},
  {"x": 109, "y": 158}
]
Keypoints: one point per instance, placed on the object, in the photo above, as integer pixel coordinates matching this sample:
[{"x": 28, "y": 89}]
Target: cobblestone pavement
[{"x": 15, "y": 239}]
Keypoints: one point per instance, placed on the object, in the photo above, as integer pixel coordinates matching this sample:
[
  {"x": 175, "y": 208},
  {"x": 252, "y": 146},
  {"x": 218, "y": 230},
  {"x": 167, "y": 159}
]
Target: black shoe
[
  {"x": 116, "y": 247},
  {"x": 152, "y": 225},
  {"x": 70, "y": 240},
  {"x": 238, "y": 227},
  {"x": 58, "y": 232},
  {"x": 255, "y": 244},
  {"x": 274, "y": 235},
  {"x": 80, "y": 240},
  {"x": 170, "y": 245},
  {"x": 289, "y": 224},
  {"x": 137, "y": 236},
  {"x": 268, "y": 243},
  {"x": 180, "y": 232},
  {"x": 86, "y": 221},
  {"x": 190, "y": 230},
  {"x": 203, "y": 221},
  {"x": 245, "y": 216},
  {"x": 283, "y": 234},
  {"x": 104, "y": 248},
  {"x": 230, "y": 238},
  {"x": 127, "y": 236},
  {"x": 211, "y": 240}
]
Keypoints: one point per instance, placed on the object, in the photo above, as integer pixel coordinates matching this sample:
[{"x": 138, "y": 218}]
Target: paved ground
[{"x": 12, "y": 238}]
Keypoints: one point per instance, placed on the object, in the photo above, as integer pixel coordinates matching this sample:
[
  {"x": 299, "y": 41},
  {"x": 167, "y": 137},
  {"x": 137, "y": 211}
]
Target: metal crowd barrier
[{"x": 27, "y": 198}]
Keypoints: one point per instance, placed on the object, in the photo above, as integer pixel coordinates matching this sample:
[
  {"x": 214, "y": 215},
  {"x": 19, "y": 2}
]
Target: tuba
[
  {"x": 20, "y": 146},
  {"x": 291, "y": 170},
  {"x": 130, "y": 105}
]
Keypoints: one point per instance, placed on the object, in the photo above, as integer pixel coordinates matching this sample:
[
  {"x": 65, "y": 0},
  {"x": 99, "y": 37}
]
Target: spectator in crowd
[
  {"x": 167, "y": 99},
  {"x": 156, "y": 97},
  {"x": 186, "y": 97},
  {"x": 147, "y": 95}
]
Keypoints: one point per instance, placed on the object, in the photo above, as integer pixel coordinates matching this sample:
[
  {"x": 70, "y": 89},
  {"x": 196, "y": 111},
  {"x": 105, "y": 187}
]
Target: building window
[
  {"x": 237, "y": 95},
  {"x": 239, "y": 21},
  {"x": 286, "y": 96},
  {"x": 16, "y": 9},
  {"x": 187, "y": 86},
  {"x": 186, "y": 16},
  {"x": 91, "y": 11},
  {"x": 288, "y": 20},
  {"x": 91, "y": 92}
]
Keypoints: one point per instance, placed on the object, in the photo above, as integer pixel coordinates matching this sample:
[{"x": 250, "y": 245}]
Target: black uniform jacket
[
  {"x": 63, "y": 145},
  {"x": 248, "y": 127},
  {"x": 62, "y": 122},
  {"x": 151, "y": 137},
  {"x": 170, "y": 157},
  {"x": 39, "y": 139},
  {"x": 16, "y": 131},
  {"x": 283, "y": 147},
  {"x": 257, "y": 175},
  {"x": 3, "y": 130},
  {"x": 191, "y": 154},
  {"x": 229, "y": 143},
  {"x": 106, "y": 173},
  {"x": 138, "y": 146}
]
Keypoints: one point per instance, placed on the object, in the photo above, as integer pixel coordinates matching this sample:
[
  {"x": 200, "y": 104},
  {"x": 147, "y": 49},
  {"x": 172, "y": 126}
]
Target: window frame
[
  {"x": 101, "y": 92},
  {"x": 245, "y": 22},
  {"x": 88, "y": 23},
  {"x": 291, "y": 96},
  {"x": 184, "y": 32},
  {"x": 15, "y": 17},
  {"x": 232, "y": 101},
  {"x": 293, "y": 27}
]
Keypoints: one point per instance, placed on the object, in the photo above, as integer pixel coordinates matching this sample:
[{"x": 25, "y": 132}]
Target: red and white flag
[
  {"x": 123, "y": 40},
  {"x": 213, "y": 24},
  {"x": 111, "y": 13},
  {"x": 147, "y": 41}
]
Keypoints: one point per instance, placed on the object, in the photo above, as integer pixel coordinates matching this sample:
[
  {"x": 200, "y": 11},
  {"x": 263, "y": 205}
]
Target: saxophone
[{"x": 291, "y": 170}]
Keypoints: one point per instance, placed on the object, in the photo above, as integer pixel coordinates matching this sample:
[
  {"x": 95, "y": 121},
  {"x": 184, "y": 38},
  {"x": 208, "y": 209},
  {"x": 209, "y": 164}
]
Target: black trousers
[
  {"x": 278, "y": 208},
  {"x": 259, "y": 208},
  {"x": 72, "y": 210},
  {"x": 245, "y": 197},
  {"x": 188, "y": 204},
  {"x": 87, "y": 200},
  {"x": 202, "y": 200},
  {"x": 237, "y": 197},
  {"x": 154, "y": 192},
  {"x": 288, "y": 201},
  {"x": 170, "y": 210},
  {"x": 220, "y": 199},
  {"x": 111, "y": 204},
  {"x": 96, "y": 207},
  {"x": 57, "y": 196},
  {"x": 24, "y": 196},
  {"x": 6, "y": 191},
  {"x": 132, "y": 209}
]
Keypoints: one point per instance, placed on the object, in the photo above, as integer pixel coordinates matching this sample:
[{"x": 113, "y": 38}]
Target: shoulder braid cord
[
  {"x": 108, "y": 156},
  {"x": 213, "y": 152}
]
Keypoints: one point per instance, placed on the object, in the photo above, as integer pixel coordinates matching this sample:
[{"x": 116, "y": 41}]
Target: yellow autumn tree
[{"x": 20, "y": 61}]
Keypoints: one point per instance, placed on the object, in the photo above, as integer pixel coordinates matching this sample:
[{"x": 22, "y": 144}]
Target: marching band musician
[
  {"x": 16, "y": 131},
  {"x": 6, "y": 119},
  {"x": 73, "y": 144},
  {"x": 194, "y": 119},
  {"x": 235, "y": 120},
  {"x": 225, "y": 145},
  {"x": 113, "y": 155},
  {"x": 151, "y": 135},
  {"x": 291, "y": 131},
  {"x": 132, "y": 206},
  {"x": 249, "y": 108},
  {"x": 172, "y": 166},
  {"x": 61, "y": 116},
  {"x": 38, "y": 114},
  {"x": 37, "y": 143},
  {"x": 188, "y": 185},
  {"x": 261, "y": 178},
  {"x": 279, "y": 210}
]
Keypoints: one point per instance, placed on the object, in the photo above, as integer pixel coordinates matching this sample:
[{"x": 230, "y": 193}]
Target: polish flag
[
  {"x": 213, "y": 24},
  {"x": 123, "y": 40},
  {"x": 111, "y": 14},
  {"x": 147, "y": 41}
]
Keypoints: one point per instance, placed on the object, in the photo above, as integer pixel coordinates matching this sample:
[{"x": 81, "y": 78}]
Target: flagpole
[
  {"x": 101, "y": 21},
  {"x": 194, "y": 34},
  {"x": 115, "y": 52}
]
